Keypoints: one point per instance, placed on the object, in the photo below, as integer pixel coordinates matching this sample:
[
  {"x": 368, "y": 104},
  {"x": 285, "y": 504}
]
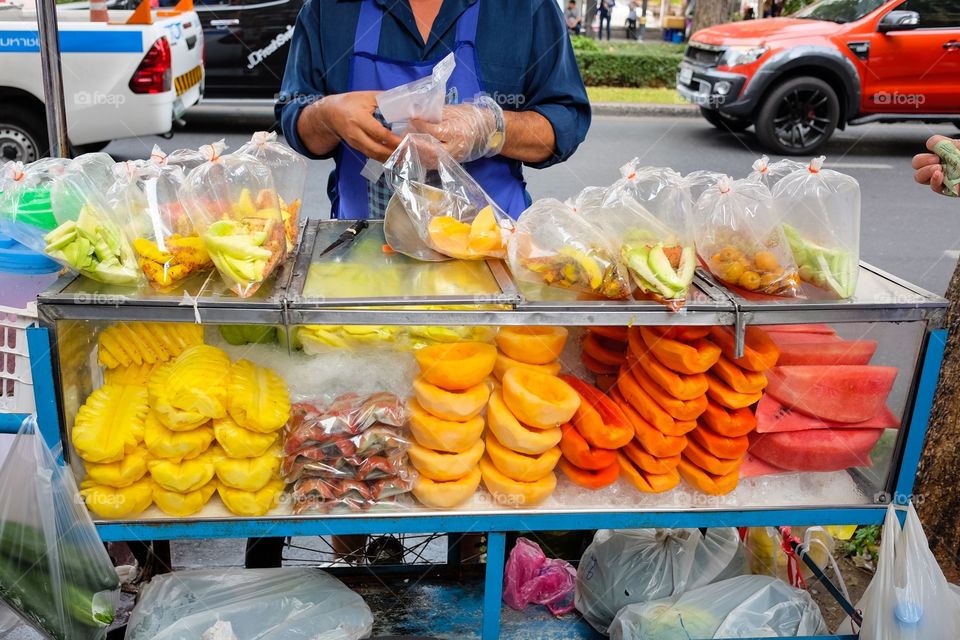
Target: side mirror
[{"x": 899, "y": 21}]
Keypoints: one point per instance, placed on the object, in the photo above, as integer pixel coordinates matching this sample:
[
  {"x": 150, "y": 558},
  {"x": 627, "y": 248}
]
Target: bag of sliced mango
[
  {"x": 168, "y": 248},
  {"x": 289, "y": 170},
  {"x": 449, "y": 209},
  {"x": 233, "y": 204}
]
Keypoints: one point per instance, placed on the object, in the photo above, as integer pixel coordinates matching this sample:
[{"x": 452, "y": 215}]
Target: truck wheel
[
  {"x": 724, "y": 123},
  {"x": 798, "y": 116},
  {"x": 23, "y": 135}
]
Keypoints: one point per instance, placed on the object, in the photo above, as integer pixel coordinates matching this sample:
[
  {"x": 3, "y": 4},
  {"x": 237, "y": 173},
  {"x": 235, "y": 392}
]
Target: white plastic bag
[
  {"x": 741, "y": 607},
  {"x": 421, "y": 99},
  {"x": 54, "y": 570},
  {"x": 820, "y": 213},
  {"x": 740, "y": 239},
  {"x": 629, "y": 566},
  {"x": 770, "y": 173},
  {"x": 258, "y": 604},
  {"x": 908, "y": 598}
]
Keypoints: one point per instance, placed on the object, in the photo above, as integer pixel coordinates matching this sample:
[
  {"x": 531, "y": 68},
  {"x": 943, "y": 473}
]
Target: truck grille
[
  {"x": 184, "y": 82},
  {"x": 702, "y": 55}
]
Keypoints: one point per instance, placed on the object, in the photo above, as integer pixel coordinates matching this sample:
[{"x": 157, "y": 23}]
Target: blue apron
[{"x": 498, "y": 176}]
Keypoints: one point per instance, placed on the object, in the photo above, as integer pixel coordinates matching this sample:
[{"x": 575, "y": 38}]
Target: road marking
[
  {"x": 952, "y": 254},
  {"x": 857, "y": 165}
]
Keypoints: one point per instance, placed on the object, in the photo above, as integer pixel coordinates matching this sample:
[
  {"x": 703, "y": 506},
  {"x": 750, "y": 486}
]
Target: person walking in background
[
  {"x": 632, "y": 20},
  {"x": 572, "y": 16},
  {"x": 605, "y": 9}
]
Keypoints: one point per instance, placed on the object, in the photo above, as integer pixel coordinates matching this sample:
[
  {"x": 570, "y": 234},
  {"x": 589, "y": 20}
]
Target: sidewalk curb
[{"x": 644, "y": 109}]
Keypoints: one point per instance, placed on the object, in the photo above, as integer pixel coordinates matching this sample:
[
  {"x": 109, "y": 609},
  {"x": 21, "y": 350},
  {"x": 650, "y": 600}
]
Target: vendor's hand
[
  {"x": 467, "y": 131},
  {"x": 927, "y": 165},
  {"x": 349, "y": 116}
]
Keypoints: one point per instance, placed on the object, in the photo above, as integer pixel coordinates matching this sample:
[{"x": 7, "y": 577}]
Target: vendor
[{"x": 517, "y": 54}]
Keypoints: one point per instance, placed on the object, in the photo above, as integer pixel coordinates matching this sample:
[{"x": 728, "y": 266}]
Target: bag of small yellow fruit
[
  {"x": 449, "y": 210},
  {"x": 167, "y": 247},
  {"x": 740, "y": 239}
]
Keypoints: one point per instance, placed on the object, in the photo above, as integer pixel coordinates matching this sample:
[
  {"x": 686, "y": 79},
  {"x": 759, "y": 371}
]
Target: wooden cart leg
[{"x": 493, "y": 586}]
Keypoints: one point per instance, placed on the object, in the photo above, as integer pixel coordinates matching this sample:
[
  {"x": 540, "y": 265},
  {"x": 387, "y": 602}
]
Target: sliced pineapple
[
  {"x": 134, "y": 343},
  {"x": 109, "y": 502},
  {"x": 120, "y": 474},
  {"x": 110, "y": 423},
  {"x": 162, "y": 442},
  {"x": 258, "y": 398},
  {"x": 191, "y": 389},
  {"x": 138, "y": 374}
]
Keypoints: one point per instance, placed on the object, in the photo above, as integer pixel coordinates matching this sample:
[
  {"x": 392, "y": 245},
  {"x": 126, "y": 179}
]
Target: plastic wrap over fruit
[
  {"x": 741, "y": 240},
  {"x": 530, "y": 577},
  {"x": 289, "y": 170},
  {"x": 557, "y": 246},
  {"x": 820, "y": 212},
  {"x": 233, "y": 203},
  {"x": 450, "y": 211}
]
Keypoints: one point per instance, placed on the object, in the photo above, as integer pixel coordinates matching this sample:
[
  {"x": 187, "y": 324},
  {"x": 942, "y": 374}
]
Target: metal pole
[{"x": 52, "y": 78}]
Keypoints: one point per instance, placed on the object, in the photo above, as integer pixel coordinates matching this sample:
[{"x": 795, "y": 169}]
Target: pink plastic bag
[{"x": 532, "y": 577}]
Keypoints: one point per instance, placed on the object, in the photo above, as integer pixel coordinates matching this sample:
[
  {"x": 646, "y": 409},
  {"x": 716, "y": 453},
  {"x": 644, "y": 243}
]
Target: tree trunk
[
  {"x": 589, "y": 13},
  {"x": 937, "y": 498},
  {"x": 710, "y": 12}
]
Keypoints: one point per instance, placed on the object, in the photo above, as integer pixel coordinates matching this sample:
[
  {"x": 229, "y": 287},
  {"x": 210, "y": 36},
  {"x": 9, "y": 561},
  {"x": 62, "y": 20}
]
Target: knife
[{"x": 346, "y": 237}]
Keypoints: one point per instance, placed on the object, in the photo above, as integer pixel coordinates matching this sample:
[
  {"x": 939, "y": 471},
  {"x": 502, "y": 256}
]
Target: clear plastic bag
[
  {"x": 259, "y": 604},
  {"x": 554, "y": 245},
  {"x": 741, "y": 607},
  {"x": 233, "y": 204},
  {"x": 346, "y": 415},
  {"x": 54, "y": 571},
  {"x": 168, "y": 248},
  {"x": 530, "y": 577},
  {"x": 648, "y": 212},
  {"x": 186, "y": 159},
  {"x": 768, "y": 557},
  {"x": 770, "y": 173},
  {"x": 450, "y": 212},
  {"x": 908, "y": 598},
  {"x": 289, "y": 170},
  {"x": 97, "y": 167},
  {"x": 623, "y": 567},
  {"x": 421, "y": 99},
  {"x": 741, "y": 241},
  {"x": 820, "y": 213},
  {"x": 330, "y": 495}
]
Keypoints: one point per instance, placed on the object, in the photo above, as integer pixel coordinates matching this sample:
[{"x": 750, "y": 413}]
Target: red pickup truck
[{"x": 832, "y": 64}]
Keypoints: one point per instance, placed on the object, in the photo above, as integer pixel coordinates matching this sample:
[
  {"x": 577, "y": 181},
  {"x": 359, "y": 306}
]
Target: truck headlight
[{"x": 736, "y": 56}]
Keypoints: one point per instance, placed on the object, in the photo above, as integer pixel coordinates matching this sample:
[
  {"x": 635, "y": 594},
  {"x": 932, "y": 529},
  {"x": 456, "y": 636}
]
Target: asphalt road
[{"x": 905, "y": 229}]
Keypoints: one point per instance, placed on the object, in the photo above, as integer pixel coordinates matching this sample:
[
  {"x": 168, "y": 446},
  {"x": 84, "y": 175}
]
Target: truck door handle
[
  {"x": 953, "y": 44},
  {"x": 232, "y": 22}
]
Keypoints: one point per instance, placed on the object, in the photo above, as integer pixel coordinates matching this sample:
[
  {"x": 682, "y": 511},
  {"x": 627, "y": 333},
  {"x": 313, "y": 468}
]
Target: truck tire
[
  {"x": 725, "y": 123},
  {"x": 23, "y": 135},
  {"x": 798, "y": 116}
]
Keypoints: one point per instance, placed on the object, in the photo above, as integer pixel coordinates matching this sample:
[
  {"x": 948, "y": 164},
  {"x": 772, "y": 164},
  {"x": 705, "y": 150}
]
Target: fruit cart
[{"x": 358, "y": 284}]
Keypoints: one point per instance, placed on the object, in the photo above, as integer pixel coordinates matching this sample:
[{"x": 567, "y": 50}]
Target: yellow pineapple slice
[
  {"x": 258, "y": 398},
  {"x": 128, "y": 343},
  {"x": 134, "y": 374},
  {"x": 110, "y": 423}
]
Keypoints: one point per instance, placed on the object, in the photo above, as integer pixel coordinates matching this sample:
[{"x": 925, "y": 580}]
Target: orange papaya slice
[
  {"x": 604, "y": 351},
  {"x": 719, "y": 445},
  {"x": 578, "y": 451},
  {"x": 539, "y": 399},
  {"x": 504, "y": 363},
  {"x": 438, "y": 434},
  {"x": 511, "y": 433},
  {"x": 728, "y": 422},
  {"x": 759, "y": 351},
  {"x": 678, "y": 409},
  {"x": 737, "y": 378},
  {"x": 707, "y": 482},
  {"x": 650, "y": 438},
  {"x": 451, "y": 405},
  {"x": 650, "y": 463},
  {"x": 514, "y": 493},
  {"x": 599, "y": 420},
  {"x": 456, "y": 366},
  {"x": 644, "y": 481},
  {"x": 683, "y": 334},
  {"x": 696, "y": 356},
  {"x": 595, "y": 366},
  {"x": 709, "y": 462},
  {"x": 534, "y": 344},
  {"x": 590, "y": 478},
  {"x": 523, "y": 467},
  {"x": 613, "y": 333},
  {"x": 643, "y": 403},
  {"x": 678, "y": 385},
  {"x": 723, "y": 394}
]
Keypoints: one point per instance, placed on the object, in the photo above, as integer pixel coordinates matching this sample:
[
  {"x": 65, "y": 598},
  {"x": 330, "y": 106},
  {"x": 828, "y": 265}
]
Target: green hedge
[{"x": 651, "y": 66}]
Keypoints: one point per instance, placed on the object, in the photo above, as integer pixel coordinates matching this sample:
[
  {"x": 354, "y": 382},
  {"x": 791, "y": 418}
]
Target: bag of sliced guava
[
  {"x": 648, "y": 214},
  {"x": 289, "y": 170},
  {"x": 451, "y": 212},
  {"x": 769, "y": 173},
  {"x": 233, "y": 204},
  {"x": 820, "y": 212},
  {"x": 555, "y": 245},
  {"x": 740, "y": 239},
  {"x": 147, "y": 196}
]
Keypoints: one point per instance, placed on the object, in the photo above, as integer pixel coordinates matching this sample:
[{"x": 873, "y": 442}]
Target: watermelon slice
[
  {"x": 773, "y": 417},
  {"x": 752, "y": 466},
  {"x": 816, "y": 450},
  {"x": 783, "y": 339},
  {"x": 826, "y": 353},
  {"x": 843, "y": 393},
  {"x": 822, "y": 329}
]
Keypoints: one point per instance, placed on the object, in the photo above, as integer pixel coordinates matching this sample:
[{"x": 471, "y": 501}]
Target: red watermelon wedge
[
  {"x": 822, "y": 329},
  {"x": 782, "y": 339},
  {"x": 843, "y": 393},
  {"x": 773, "y": 417},
  {"x": 752, "y": 466},
  {"x": 826, "y": 353},
  {"x": 817, "y": 450}
]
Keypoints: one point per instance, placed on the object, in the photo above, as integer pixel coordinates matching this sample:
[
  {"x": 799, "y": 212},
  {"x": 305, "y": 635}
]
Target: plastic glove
[{"x": 468, "y": 131}]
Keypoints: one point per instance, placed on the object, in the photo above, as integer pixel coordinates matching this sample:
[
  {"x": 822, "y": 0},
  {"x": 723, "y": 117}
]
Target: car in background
[{"x": 832, "y": 64}]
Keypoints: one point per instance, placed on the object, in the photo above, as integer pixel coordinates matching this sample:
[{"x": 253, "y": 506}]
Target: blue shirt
[{"x": 525, "y": 56}]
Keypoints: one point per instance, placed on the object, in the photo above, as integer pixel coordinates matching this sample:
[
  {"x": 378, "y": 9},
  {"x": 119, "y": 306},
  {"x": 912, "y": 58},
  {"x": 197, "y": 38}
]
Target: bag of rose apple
[
  {"x": 740, "y": 240},
  {"x": 289, "y": 170},
  {"x": 233, "y": 204},
  {"x": 820, "y": 212}
]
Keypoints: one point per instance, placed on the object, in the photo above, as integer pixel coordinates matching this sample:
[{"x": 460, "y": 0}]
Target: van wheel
[
  {"x": 798, "y": 116},
  {"x": 23, "y": 135},
  {"x": 724, "y": 123}
]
